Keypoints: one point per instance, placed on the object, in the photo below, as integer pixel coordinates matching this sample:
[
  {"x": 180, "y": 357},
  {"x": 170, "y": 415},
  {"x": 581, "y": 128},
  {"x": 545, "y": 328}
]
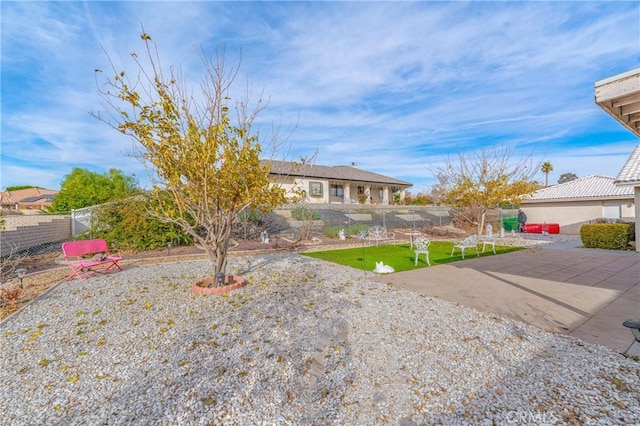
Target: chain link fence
[
  {"x": 28, "y": 239},
  {"x": 25, "y": 239},
  {"x": 32, "y": 234},
  {"x": 399, "y": 217}
]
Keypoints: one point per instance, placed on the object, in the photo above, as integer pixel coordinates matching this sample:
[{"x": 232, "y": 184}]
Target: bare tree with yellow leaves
[
  {"x": 485, "y": 179},
  {"x": 200, "y": 150}
]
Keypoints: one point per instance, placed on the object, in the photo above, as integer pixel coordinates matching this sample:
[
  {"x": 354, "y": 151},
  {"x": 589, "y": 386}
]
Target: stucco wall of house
[
  {"x": 628, "y": 209},
  {"x": 571, "y": 215},
  {"x": 318, "y": 191},
  {"x": 294, "y": 186}
]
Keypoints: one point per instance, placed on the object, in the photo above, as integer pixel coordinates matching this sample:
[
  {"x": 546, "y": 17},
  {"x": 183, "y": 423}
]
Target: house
[
  {"x": 619, "y": 96},
  {"x": 28, "y": 199},
  {"x": 336, "y": 184},
  {"x": 629, "y": 177},
  {"x": 574, "y": 203}
]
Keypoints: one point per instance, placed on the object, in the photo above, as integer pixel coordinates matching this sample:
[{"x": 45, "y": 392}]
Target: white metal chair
[
  {"x": 421, "y": 246},
  {"x": 471, "y": 242},
  {"x": 379, "y": 233},
  {"x": 488, "y": 238},
  {"x": 634, "y": 348}
]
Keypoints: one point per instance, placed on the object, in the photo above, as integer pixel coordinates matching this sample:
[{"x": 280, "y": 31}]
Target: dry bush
[{"x": 10, "y": 295}]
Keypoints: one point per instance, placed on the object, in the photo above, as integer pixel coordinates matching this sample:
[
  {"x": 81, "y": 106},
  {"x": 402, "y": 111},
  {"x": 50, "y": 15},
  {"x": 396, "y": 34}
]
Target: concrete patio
[{"x": 559, "y": 287}]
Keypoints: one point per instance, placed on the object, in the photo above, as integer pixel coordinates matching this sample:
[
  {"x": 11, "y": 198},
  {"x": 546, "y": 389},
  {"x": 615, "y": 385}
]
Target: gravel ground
[{"x": 305, "y": 342}]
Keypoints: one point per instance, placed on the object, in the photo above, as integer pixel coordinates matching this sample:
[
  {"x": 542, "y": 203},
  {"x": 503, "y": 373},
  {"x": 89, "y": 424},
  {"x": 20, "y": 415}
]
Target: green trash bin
[{"x": 510, "y": 223}]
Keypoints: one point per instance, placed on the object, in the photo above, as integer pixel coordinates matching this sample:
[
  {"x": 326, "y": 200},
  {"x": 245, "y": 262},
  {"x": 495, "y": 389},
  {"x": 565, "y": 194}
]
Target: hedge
[{"x": 614, "y": 236}]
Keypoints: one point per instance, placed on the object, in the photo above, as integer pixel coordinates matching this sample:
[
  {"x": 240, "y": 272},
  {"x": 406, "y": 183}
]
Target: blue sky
[{"x": 395, "y": 87}]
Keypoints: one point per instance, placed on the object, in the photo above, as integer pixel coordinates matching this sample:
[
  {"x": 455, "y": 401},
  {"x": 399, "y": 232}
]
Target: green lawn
[{"x": 399, "y": 256}]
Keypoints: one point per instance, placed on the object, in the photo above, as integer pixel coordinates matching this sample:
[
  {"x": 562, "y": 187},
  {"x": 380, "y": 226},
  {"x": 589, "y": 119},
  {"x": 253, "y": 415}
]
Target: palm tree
[{"x": 546, "y": 168}]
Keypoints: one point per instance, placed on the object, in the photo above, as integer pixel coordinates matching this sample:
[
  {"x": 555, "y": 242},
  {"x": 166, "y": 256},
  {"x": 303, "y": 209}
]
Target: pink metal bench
[{"x": 88, "y": 257}]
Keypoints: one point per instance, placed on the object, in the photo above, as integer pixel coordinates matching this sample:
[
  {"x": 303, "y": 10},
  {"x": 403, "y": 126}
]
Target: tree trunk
[
  {"x": 222, "y": 247},
  {"x": 481, "y": 224}
]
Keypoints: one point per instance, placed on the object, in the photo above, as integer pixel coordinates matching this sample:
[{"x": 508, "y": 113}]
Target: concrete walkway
[{"x": 559, "y": 287}]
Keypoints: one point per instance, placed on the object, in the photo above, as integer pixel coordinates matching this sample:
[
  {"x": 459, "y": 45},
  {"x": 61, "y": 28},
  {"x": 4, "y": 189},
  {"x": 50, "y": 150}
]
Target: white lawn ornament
[
  {"x": 381, "y": 268},
  {"x": 341, "y": 234},
  {"x": 265, "y": 237}
]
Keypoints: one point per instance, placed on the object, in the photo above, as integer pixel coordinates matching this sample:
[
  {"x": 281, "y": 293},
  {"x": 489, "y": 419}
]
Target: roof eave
[
  {"x": 627, "y": 183},
  {"x": 301, "y": 175},
  {"x": 619, "y": 96},
  {"x": 562, "y": 200}
]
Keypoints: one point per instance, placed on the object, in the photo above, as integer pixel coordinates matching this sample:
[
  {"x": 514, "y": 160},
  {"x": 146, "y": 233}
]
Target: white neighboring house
[
  {"x": 336, "y": 184},
  {"x": 574, "y": 203},
  {"x": 629, "y": 178},
  {"x": 619, "y": 96}
]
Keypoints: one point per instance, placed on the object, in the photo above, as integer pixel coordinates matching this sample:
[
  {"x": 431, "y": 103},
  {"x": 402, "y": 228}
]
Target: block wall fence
[{"x": 26, "y": 233}]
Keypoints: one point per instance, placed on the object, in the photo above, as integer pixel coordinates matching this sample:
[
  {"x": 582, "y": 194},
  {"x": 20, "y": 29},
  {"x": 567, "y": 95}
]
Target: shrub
[
  {"x": 302, "y": 213},
  {"x": 632, "y": 224},
  {"x": 332, "y": 231},
  {"x": 614, "y": 236},
  {"x": 249, "y": 215},
  {"x": 9, "y": 296},
  {"x": 356, "y": 229},
  {"x": 126, "y": 226},
  {"x": 247, "y": 224},
  {"x": 417, "y": 199}
]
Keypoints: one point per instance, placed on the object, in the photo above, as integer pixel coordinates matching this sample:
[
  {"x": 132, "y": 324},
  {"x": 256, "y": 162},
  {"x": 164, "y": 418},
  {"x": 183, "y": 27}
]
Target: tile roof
[
  {"x": 346, "y": 173},
  {"x": 12, "y": 197},
  {"x": 46, "y": 197},
  {"x": 630, "y": 173},
  {"x": 586, "y": 188}
]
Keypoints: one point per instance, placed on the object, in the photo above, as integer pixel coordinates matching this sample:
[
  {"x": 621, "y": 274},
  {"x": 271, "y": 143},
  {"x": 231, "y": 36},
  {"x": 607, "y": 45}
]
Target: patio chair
[
  {"x": 421, "y": 246},
  {"x": 634, "y": 348},
  {"x": 471, "y": 242},
  {"x": 379, "y": 233},
  {"x": 488, "y": 238}
]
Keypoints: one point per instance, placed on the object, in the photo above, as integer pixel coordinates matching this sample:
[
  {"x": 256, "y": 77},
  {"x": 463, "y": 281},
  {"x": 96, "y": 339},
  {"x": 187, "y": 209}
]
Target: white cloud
[{"x": 392, "y": 86}]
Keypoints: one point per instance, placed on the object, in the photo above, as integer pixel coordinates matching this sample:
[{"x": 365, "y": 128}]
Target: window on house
[
  {"x": 380, "y": 194},
  {"x": 360, "y": 190},
  {"x": 315, "y": 189},
  {"x": 336, "y": 191}
]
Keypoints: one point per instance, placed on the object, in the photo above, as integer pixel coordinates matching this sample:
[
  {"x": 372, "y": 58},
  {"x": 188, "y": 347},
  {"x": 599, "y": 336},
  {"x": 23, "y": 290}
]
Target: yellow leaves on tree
[
  {"x": 485, "y": 180},
  {"x": 205, "y": 167}
]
